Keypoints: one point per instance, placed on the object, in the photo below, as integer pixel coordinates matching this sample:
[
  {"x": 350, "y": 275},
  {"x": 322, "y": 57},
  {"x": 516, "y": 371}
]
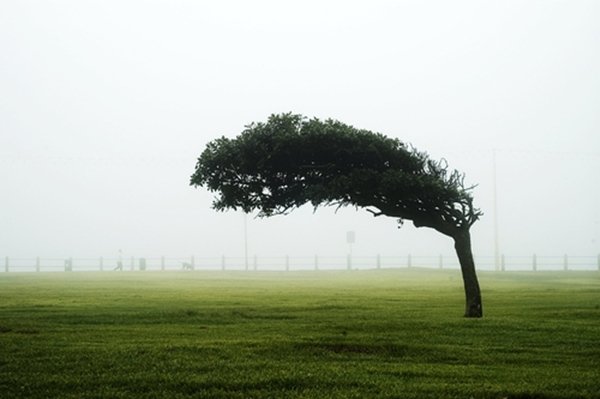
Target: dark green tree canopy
[{"x": 289, "y": 161}]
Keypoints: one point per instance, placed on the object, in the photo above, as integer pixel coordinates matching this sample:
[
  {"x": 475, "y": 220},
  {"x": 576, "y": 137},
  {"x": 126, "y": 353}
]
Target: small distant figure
[
  {"x": 120, "y": 261},
  {"x": 119, "y": 266},
  {"x": 187, "y": 266}
]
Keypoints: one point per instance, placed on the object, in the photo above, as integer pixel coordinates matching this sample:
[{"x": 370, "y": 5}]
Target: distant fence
[{"x": 297, "y": 263}]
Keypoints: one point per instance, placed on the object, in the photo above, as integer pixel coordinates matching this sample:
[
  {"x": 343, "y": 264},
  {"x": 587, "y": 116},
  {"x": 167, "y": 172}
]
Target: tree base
[{"x": 474, "y": 311}]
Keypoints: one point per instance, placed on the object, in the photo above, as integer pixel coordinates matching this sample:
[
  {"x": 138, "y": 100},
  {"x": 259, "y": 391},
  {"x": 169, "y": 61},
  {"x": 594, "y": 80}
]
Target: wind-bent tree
[{"x": 288, "y": 161}]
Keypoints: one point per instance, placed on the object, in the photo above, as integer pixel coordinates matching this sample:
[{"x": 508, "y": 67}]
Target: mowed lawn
[{"x": 345, "y": 334}]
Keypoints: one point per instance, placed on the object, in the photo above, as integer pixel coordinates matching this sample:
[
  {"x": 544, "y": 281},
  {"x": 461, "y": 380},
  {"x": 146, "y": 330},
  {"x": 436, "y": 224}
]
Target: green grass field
[{"x": 359, "y": 334}]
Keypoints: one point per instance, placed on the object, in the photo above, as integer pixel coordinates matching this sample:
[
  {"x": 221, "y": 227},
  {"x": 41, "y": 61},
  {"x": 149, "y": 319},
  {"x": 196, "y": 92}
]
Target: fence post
[
  {"x": 6, "y": 263},
  {"x": 409, "y": 261},
  {"x": 287, "y": 263},
  {"x": 69, "y": 265},
  {"x": 101, "y": 264},
  {"x": 37, "y": 264},
  {"x": 162, "y": 263},
  {"x": 378, "y": 261},
  {"x": 534, "y": 262},
  {"x": 317, "y": 262},
  {"x": 255, "y": 263},
  {"x": 441, "y": 262},
  {"x": 566, "y": 263},
  {"x": 502, "y": 263},
  {"x": 223, "y": 262}
]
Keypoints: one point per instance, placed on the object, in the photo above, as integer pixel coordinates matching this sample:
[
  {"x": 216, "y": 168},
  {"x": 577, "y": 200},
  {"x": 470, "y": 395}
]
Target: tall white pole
[
  {"x": 246, "y": 240},
  {"x": 496, "y": 243}
]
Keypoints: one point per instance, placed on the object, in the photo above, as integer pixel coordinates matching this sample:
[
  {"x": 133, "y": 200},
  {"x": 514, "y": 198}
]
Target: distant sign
[{"x": 350, "y": 237}]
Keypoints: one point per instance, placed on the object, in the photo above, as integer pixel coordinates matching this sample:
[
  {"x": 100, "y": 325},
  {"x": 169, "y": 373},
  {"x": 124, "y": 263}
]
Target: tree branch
[{"x": 375, "y": 213}]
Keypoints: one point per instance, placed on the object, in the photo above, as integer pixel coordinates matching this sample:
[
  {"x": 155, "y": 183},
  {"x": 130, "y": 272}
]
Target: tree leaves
[{"x": 281, "y": 164}]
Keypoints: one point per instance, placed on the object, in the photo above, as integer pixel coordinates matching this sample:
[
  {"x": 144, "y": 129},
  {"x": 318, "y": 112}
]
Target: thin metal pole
[
  {"x": 246, "y": 240},
  {"x": 496, "y": 239}
]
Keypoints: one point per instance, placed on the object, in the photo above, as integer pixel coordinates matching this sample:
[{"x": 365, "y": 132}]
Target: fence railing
[{"x": 297, "y": 263}]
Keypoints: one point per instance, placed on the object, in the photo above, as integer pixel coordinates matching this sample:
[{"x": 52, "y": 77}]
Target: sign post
[{"x": 350, "y": 239}]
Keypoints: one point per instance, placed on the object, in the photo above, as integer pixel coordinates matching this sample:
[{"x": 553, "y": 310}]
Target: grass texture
[{"x": 350, "y": 334}]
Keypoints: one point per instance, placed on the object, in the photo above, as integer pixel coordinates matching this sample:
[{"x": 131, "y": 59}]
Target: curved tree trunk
[{"x": 462, "y": 244}]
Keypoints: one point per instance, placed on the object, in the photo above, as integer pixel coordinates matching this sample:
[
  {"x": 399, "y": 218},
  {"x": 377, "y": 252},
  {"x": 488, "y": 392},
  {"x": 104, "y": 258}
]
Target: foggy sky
[{"x": 105, "y": 106}]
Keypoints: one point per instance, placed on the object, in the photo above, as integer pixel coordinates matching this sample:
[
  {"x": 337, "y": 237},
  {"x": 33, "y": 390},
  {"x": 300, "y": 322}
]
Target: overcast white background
[{"x": 105, "y": 106}]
